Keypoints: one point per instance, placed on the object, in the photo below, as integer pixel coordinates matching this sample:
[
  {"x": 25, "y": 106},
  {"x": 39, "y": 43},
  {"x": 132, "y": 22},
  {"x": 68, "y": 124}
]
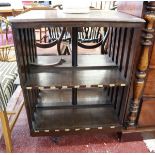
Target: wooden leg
[{"x": 6, "y": 131}]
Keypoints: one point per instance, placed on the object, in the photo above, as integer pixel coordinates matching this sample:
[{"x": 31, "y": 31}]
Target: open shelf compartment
[
  {"x": 63, "y": 98},
  {"x": 44, "y": 63},
  {"x": 54, "y": 111},
  {"x": 72, "y": 119}
]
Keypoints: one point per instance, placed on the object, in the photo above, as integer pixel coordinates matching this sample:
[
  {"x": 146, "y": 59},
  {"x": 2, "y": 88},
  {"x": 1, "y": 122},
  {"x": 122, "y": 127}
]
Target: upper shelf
[{"x": 93, "y": 18}]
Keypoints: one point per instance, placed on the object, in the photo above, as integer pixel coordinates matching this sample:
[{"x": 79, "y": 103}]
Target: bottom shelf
[{"x": 75, "y": 119}]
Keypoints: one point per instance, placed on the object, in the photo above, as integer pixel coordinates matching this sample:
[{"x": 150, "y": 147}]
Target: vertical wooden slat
[
  {"x": 117, "y": 44},
  {"x": 119, "y": 100},
  {"x": 23, "y": 51},
  {"x": 110, "y": 41},
  {"x": 109, "y": 52},
  {"x": 129, "y": 53},
  {"x": 30, "y": 102},
  {"x": 113, "y": 50},
  {"x": 123, "y": 103},
  {"x": 114, "y": 44},
  {"x": 23, "y": 44},
  {"x": 108, "y": 91},
  {"x": 116, "y": 97},
  {"x": 33, "y": 41},
  {"x": 125, "y": 51},
  {"x": 111, "y": 93},
  {"x": 27, "y": 46},
  {"x": 36, "y": 93},
  {"x": 33, "y": 99},
  {"x": 30, "y": 45},
  {"x": 27, "y": 107},
  {"x": 122, "y": 49}
]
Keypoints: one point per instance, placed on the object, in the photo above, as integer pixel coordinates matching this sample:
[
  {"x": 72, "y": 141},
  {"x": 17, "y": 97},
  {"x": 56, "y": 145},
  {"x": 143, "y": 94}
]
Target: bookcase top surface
[{"x": 59, "y": 16}]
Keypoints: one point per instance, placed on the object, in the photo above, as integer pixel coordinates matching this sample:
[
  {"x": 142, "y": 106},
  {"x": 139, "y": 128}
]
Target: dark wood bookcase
[{"x": 85, "y": 92}]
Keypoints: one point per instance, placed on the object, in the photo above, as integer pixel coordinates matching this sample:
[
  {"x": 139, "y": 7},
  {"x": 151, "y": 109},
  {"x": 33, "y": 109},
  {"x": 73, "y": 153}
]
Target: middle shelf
[
  {"x": 75, "y": 79},
  {"x": 98, "y": 72}
]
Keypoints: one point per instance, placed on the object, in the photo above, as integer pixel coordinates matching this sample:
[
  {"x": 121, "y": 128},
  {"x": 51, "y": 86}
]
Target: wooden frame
[{"x": 17, "y": 102}]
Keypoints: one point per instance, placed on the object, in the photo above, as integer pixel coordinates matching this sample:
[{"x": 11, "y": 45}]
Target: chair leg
[{"x": 6, "y": 131}]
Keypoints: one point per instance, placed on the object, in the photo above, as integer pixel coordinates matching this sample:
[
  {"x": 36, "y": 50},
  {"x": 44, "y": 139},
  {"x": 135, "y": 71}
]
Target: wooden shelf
[
  {"x": 63, "y": 98},
  {"x": 43, "y": 63},
  {"x": 75, "y": 78},
  {"x": 74, "y": 119}
]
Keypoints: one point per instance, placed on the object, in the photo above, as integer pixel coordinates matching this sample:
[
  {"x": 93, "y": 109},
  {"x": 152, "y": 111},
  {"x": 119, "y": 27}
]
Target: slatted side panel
[
  {"x": 113, "y": 38},
  {"x": 114, "y": 92},
  {"x": 130, "y": 67},
  {"x": 122, "y": 55},
  {"x": 20, "y": 54},
  {"x": 127, "y": 56},
  {"x": 121, "y": 50},
  {"x": 31, "y": 44},
  {"x": 25, "y": 48}
]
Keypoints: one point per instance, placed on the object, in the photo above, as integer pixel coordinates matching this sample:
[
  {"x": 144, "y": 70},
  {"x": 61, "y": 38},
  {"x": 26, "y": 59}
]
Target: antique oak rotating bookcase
[{"x": 82, "y": 92}]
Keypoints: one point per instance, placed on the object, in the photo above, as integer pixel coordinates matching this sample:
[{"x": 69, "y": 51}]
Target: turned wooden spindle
[
  {"x": 150, "y": 19},
  {"x": 141, "y": 68}
]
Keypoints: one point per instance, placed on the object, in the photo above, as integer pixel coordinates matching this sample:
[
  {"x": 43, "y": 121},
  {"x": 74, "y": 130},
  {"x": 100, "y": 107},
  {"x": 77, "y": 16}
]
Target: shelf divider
[
  {"x": 74, "y": 46},
  {"x": 74, "y": 60},
  {"x": 74, "y": 96}
]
